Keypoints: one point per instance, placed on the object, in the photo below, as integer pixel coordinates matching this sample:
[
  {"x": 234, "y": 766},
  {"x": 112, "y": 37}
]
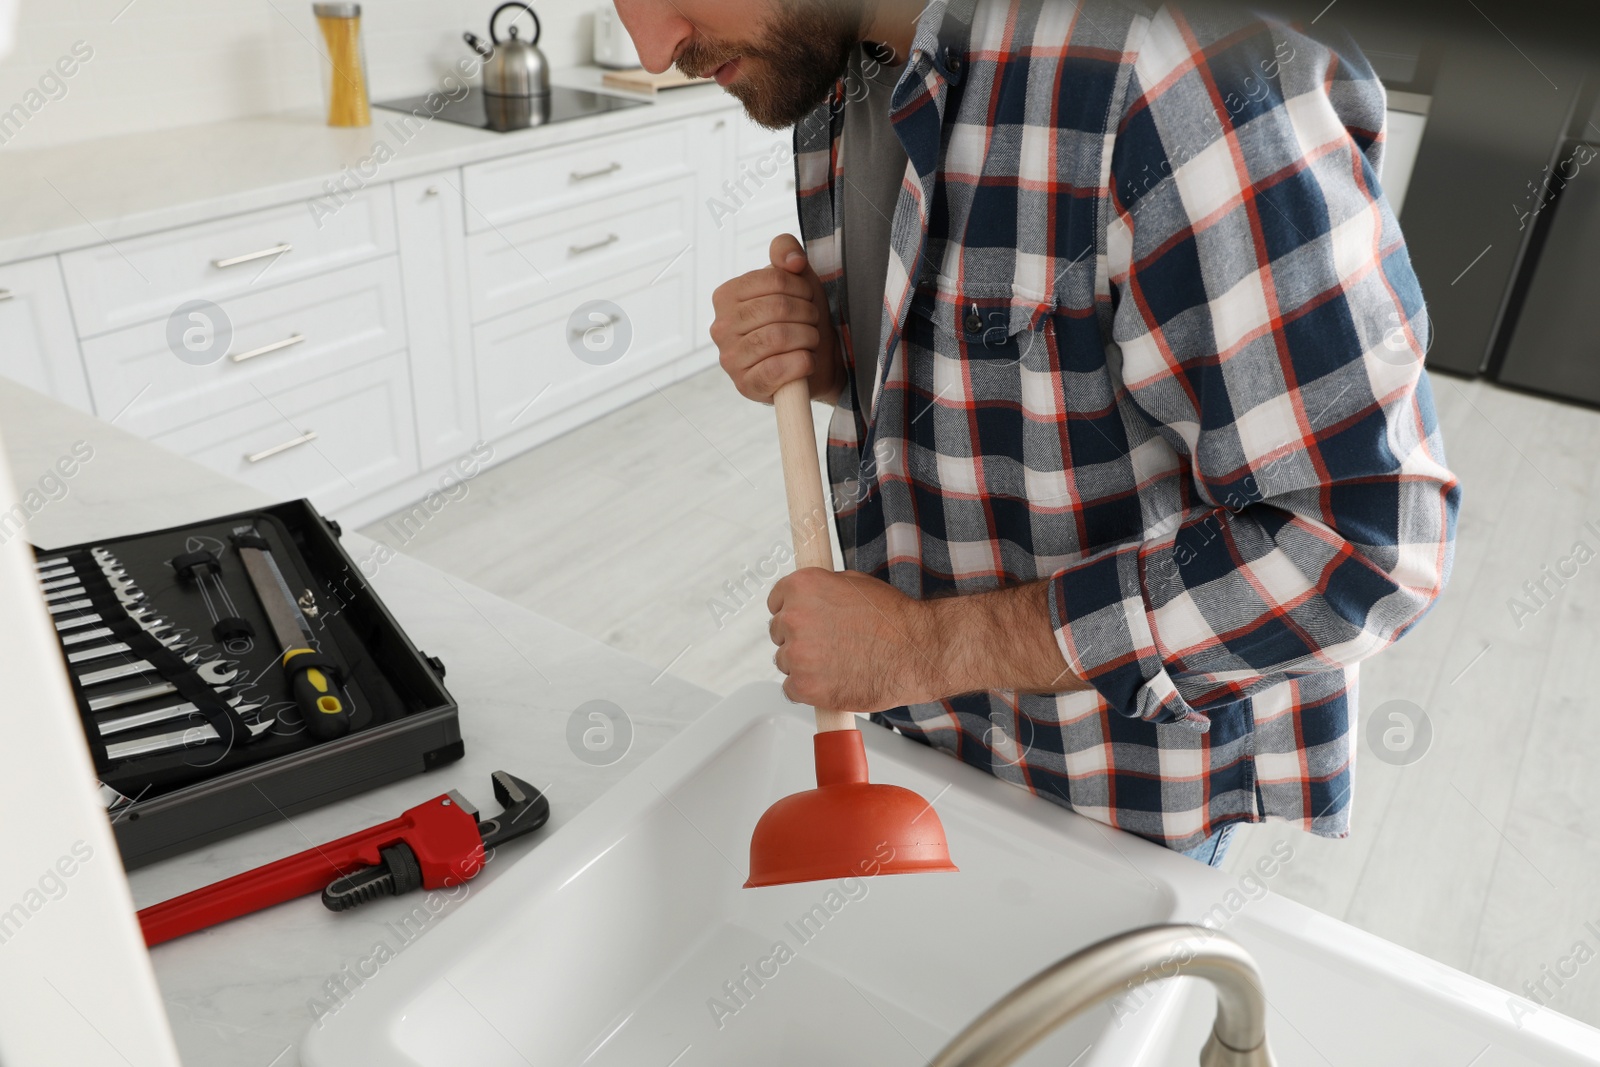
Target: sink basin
[
  {"x": 1338, "y": 996},
  {"x": 625, "y": 938}
]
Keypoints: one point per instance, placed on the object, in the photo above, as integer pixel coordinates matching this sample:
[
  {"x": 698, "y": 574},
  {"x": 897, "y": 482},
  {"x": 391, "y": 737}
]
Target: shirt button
[
  {"x": 974, "y": 323},
  {"x": 952, "y": 60}
]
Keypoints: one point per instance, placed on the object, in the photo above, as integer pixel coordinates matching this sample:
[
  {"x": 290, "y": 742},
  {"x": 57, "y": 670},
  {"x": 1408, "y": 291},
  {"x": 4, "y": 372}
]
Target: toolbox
[{"x": 199, "y": 724}]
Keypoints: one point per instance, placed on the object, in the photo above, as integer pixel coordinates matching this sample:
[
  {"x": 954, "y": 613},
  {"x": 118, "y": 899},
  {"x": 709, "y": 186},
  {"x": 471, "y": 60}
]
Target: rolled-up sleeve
[{"x": 1270, "y": 330}]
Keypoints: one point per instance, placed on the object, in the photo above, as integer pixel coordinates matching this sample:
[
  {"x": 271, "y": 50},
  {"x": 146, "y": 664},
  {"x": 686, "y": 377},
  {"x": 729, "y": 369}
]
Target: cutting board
[{"x": 640, "y": 80}]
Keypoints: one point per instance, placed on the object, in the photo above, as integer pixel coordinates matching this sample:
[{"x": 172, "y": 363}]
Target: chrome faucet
[{"x": 1026, "y": 1015}]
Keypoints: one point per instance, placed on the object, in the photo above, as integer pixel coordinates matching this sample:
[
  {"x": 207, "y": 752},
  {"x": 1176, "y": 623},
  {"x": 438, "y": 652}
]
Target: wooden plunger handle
[{"x": 809, "y": 517}]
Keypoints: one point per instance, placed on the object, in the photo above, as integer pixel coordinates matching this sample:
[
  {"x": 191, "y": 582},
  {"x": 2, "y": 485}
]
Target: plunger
[{"x": 846, "y": 827}]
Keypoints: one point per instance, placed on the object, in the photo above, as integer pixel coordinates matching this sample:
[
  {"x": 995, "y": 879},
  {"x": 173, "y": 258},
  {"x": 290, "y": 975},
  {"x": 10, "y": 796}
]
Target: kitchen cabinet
[
  {"x": 144, "y": 279},
  {"x": 280, "y": 336},
  {"x": 713, "y": 141},
  {"x": 430, "y": 220},
  {"x": 378, "y": 334},
  {"x": 759, "y": 196},
  {"x": 38, "y": 346},
  {"x": 333, "y": 439},
  {"x": 542, "y": 183},
  {"x": 528, "y": 369},
  {"x": 578, "y": 249}
]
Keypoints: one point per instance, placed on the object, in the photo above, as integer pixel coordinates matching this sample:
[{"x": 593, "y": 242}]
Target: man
[{"x": 1132, "y": 453}]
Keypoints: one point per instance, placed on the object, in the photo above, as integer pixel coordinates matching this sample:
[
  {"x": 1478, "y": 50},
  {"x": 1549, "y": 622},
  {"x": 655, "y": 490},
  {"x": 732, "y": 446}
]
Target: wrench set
[
  {"x": 141, "y": 656},
  {"x": 234, "y": 671}
]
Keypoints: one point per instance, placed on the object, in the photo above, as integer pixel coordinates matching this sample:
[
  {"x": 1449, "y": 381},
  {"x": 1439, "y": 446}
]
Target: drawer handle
[
  {"x": 265, "y": 253},
  {"x": 267, "y": 453},
  {"x": 583, "y": 250},
  {"x": 583, "y": 331},
  {"x": 580, "y": 176},
  {"x": 266, "y": 350},
  {"x": 6, "y": 294}
]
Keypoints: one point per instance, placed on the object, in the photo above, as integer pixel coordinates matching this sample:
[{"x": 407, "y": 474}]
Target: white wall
[{"x": 161, "y": 63}]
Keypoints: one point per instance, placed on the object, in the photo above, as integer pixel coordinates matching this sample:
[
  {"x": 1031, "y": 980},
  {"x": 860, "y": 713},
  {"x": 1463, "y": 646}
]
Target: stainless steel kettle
[{"x": 512, "y": 68}]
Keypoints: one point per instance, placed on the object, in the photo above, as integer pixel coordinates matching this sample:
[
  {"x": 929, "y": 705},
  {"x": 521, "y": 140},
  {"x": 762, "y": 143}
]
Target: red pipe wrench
[{"x": 434, "y": 845}]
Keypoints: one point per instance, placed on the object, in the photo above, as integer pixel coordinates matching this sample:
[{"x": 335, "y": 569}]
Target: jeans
[{"x": 1214, "y": 848}]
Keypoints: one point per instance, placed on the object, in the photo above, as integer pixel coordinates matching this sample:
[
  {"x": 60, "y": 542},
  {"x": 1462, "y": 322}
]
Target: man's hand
[
  {"x": 773, "y": 327},
  {"x": 847, "y": 642}
]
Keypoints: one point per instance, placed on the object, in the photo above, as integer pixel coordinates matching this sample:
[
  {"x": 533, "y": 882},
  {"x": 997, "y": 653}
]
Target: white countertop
[
  {"x": 78, "y": 195},
  {"x": 241, "y": 994}
]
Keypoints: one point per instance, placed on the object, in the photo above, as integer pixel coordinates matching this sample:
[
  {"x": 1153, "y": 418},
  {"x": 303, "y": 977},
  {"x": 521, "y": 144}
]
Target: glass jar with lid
[{"x": 344, "y": 64}]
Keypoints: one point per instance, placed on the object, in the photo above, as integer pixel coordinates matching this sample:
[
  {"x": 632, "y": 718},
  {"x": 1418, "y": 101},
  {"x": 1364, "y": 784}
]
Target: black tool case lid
[{"x": 403, "y": 720}]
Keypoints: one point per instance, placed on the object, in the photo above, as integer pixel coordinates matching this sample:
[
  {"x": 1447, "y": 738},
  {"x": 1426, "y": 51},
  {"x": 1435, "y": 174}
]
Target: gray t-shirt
[{"x": 874, "y": 167}]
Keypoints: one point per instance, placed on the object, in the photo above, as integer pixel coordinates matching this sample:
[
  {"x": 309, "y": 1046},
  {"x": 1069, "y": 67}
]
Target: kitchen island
[{"x": 245, "y": 993}]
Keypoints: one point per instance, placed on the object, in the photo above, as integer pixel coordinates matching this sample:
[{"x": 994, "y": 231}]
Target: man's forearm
[
  {"x": 1001, "y": 640},
  {"x": 850, "y": 642}
]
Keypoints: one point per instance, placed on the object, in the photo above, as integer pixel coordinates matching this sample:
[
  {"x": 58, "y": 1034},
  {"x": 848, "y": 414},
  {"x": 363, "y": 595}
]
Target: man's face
[{"x": 780, "y": 58}]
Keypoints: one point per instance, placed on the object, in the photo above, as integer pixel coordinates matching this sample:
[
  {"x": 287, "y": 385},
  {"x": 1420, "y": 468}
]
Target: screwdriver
[{"x": 322, "y": 702}]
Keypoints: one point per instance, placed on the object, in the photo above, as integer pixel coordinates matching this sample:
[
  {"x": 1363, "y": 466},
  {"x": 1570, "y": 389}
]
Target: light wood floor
[{"x": 1484, "y": 854}]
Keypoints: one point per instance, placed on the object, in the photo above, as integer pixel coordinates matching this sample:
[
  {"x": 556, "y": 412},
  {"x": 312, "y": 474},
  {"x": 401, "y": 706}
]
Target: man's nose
[{"x": 658, "y": 29}]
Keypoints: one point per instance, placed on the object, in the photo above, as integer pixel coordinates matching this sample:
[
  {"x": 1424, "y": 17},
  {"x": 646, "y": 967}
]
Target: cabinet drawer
[
  {"x": 538, "y": 183},
  {"x": 335, "y": 440},
  {"x": 281, "y": 336},
  {"x": 765, "y": 190},
  {"x": 433, "y": 267},
  {"x": 755, "y": 140},
  {"x": 37, "y": 344},
  {"x": 145, "y": 279},
  {"x": 527, "y": 262},
  {"x": 527, "y": 371}
]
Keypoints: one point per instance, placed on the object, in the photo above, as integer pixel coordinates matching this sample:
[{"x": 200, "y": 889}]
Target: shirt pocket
[
  {"x": 997, "y": 325},
  {"x": 981, "y": 405}
]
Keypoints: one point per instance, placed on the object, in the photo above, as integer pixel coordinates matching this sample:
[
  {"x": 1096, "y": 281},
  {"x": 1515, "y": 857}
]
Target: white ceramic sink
[
  {"x": 1338, "y": 996},
  {"x": 624, "y": 937}
]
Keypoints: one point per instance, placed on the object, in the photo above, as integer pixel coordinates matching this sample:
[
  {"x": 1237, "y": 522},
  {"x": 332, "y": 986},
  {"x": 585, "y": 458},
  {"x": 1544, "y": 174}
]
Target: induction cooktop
[{"x": 503, "y": 114}]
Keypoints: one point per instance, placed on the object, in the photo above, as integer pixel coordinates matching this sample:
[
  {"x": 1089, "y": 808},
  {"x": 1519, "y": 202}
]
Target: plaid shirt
[{"x": 1150, "y": 332}]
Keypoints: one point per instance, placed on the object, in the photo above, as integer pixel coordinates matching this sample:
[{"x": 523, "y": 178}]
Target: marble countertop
[
  {"x": 87, "y": 193},
  {"x": 244, "y": 993}
]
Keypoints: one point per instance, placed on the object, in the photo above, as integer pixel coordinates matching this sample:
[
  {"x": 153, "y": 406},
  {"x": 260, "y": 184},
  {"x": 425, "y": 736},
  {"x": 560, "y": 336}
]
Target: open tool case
[{"x": 227, "y": 778}]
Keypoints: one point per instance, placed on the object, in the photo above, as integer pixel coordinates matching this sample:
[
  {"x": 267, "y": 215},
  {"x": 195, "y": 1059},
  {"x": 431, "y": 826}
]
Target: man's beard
[{"x": 804, "y": 52}]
